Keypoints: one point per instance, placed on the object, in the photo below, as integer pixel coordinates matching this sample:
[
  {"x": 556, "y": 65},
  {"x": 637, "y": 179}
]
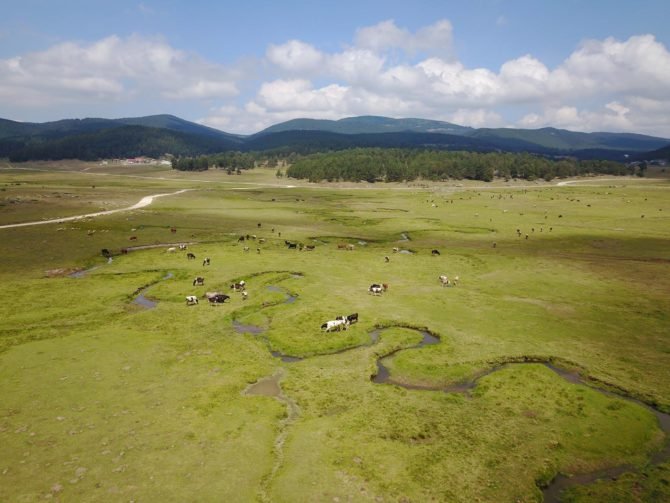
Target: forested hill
[
  {"x": 124, "y": 141},
  {"x": 160, "y": 134},
  {"x": 368, "y": 124}
]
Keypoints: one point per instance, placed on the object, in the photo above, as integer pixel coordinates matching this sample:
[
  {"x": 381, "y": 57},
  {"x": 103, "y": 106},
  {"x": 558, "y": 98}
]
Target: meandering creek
[
  {"x": 552, "y": 492},
  {"x": 141, "y": 300}
]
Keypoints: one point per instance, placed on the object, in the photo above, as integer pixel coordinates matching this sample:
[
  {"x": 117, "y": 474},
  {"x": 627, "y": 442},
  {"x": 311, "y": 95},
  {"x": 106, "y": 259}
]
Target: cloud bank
[{"x": 610, "y": 84}]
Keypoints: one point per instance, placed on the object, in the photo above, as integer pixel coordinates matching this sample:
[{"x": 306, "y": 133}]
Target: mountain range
[{"x": 159, "y": 134}]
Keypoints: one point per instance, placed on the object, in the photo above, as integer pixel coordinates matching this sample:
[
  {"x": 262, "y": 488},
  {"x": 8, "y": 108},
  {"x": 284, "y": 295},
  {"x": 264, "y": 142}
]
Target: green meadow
[{"x": 104, "y": 399}]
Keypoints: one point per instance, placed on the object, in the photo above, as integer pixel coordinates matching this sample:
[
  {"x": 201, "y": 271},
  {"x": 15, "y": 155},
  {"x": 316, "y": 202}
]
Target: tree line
[
  {"x": 398, "y": 165},
  {"x": 234, "y": 161}
]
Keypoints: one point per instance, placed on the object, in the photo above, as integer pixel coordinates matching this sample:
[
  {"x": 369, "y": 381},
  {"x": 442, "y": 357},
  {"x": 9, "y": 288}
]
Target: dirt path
[{"x": 145, "y": 201}]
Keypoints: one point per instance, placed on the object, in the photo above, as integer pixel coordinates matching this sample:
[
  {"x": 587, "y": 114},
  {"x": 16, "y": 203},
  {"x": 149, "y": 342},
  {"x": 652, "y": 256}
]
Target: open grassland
[{"x": 106, "y": 400}]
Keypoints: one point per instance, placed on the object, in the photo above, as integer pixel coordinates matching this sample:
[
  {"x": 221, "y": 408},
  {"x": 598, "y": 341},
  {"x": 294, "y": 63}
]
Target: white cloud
[
  {"x": 435, "y": 39},
  {"x": 112, "y": 68},
  {"x": 592, "y": 89},
  {"x": 295, "y": 56},
  {"x": 388, "y": 70},
  {"x": 637, "y": 65}
]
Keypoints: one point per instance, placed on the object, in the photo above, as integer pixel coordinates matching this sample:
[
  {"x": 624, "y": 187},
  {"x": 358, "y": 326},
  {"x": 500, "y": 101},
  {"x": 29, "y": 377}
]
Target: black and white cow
[
  {"x": 238, "y": 286},
  {"x": 352, "y": 318},
  {"x": 219, "y": 298},
  {"x": 377, "y": 289},
  {"x": 205, "y": 262},
  {"x": 435, "y": 253},
  {"x": 191, "y": 300},
  {"x": 199, "y": 281},
  {"x": 190, "y": 256}
]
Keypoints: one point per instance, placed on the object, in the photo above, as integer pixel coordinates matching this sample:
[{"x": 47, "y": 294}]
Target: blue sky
[{"x": 242, "y": 66}]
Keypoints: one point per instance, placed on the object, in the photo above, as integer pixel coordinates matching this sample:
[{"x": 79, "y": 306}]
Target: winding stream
[
  {"x": 552, "y": 492},
  {"x": 141, "y": 300}
]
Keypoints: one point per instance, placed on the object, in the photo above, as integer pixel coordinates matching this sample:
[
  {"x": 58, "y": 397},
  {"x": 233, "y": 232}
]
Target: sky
[{"x": 241, "y": 66}]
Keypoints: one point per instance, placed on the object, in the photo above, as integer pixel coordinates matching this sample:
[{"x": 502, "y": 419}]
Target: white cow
[
  {"x": 333, "y": 325},
  {"x": 444, "y": 280},
  {"x": 172, "y": 249},
  {"x": 191, "y": 300}
]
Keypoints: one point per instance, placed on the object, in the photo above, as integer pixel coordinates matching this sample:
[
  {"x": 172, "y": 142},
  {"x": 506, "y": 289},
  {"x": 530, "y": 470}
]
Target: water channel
[{"x": 552, "y": 492}]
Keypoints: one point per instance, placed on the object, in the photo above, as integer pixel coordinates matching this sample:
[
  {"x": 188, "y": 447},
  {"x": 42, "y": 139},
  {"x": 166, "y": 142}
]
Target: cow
[
  {"x": 435, "y": 252},
  {"x": 342, "y": 246},
  {"x": 444, "y": 281},
  {"x": 241, "y": 239},
  {"x": 387, "y": 259},
  {"x": 350, "y": 247},
  {"x": 259, "y": 225},
  {"x": 238, "y": 286},
  {"x": 124, "y": 251},
  {"x": 261, "y": 240},
  {"x": 377, "y": 289},
  {"x": 245, "y": 295},
  {"x": 190, "y": 256},
  {"x": 455, "y": 280},
  {"x": 133, "y": 238},
  {"x": 106, "y": 253},
  {"x": 309, "y": 248},
  {"x": 173, "y": 230},
  {"x": 258, "y": 250},
  {"x": 191, "y": 300},
  {"x": 172, "y": 249},
  {"x": 199, "y": 281},
  {"x": 352, "y": 318},
  {"x": 291, "y": 246},
  {"x": 219, "y": 298},
  {"x": 396, "y": 249},
  {"x": 182, "y": 247},
  {"x": 209, "y": 295},
  {"x": 332, "y": 325},
  {"x": 205, "y": 262},
  {"x": 245, "y": 249}
]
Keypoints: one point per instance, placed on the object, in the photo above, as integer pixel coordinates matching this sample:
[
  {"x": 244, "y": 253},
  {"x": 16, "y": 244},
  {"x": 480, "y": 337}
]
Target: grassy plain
[{"x": 104, "y": 400}]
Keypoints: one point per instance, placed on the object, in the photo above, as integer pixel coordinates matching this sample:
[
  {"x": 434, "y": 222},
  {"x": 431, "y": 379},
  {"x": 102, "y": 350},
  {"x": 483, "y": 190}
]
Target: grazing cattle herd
[{"x": 339, "y": 323}]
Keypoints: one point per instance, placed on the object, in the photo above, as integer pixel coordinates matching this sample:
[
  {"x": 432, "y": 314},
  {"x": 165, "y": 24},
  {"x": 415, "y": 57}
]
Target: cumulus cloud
[
  {"x": 640, "y": 64},
  {"x": 602, "y": 85},
  {"x": 112, "y": 68},
  {"x": 387, "y": 69},
  {"x": 295, "y": 56},
  {"x": 435, "y": 39}
]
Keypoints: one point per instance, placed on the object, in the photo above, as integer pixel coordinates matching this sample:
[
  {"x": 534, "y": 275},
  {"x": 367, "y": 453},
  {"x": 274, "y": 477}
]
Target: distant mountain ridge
[
  {"x": 368, "y": 124},
  {"x": 93, "y": 138},
  {"x": 65, "y": 127}
]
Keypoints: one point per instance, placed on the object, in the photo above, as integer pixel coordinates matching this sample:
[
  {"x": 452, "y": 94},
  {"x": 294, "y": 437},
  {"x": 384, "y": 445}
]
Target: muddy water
[
  {"x": 256, "y": 330},
  {"x": 552, "y": 493},
  {"x": 268, "y": 386},
  {"x": 247, "y": 329},
  {"x": 141, "y": 300},
  {"x": 82, "y": 273},
  {"x": 290, "y": 299}
]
